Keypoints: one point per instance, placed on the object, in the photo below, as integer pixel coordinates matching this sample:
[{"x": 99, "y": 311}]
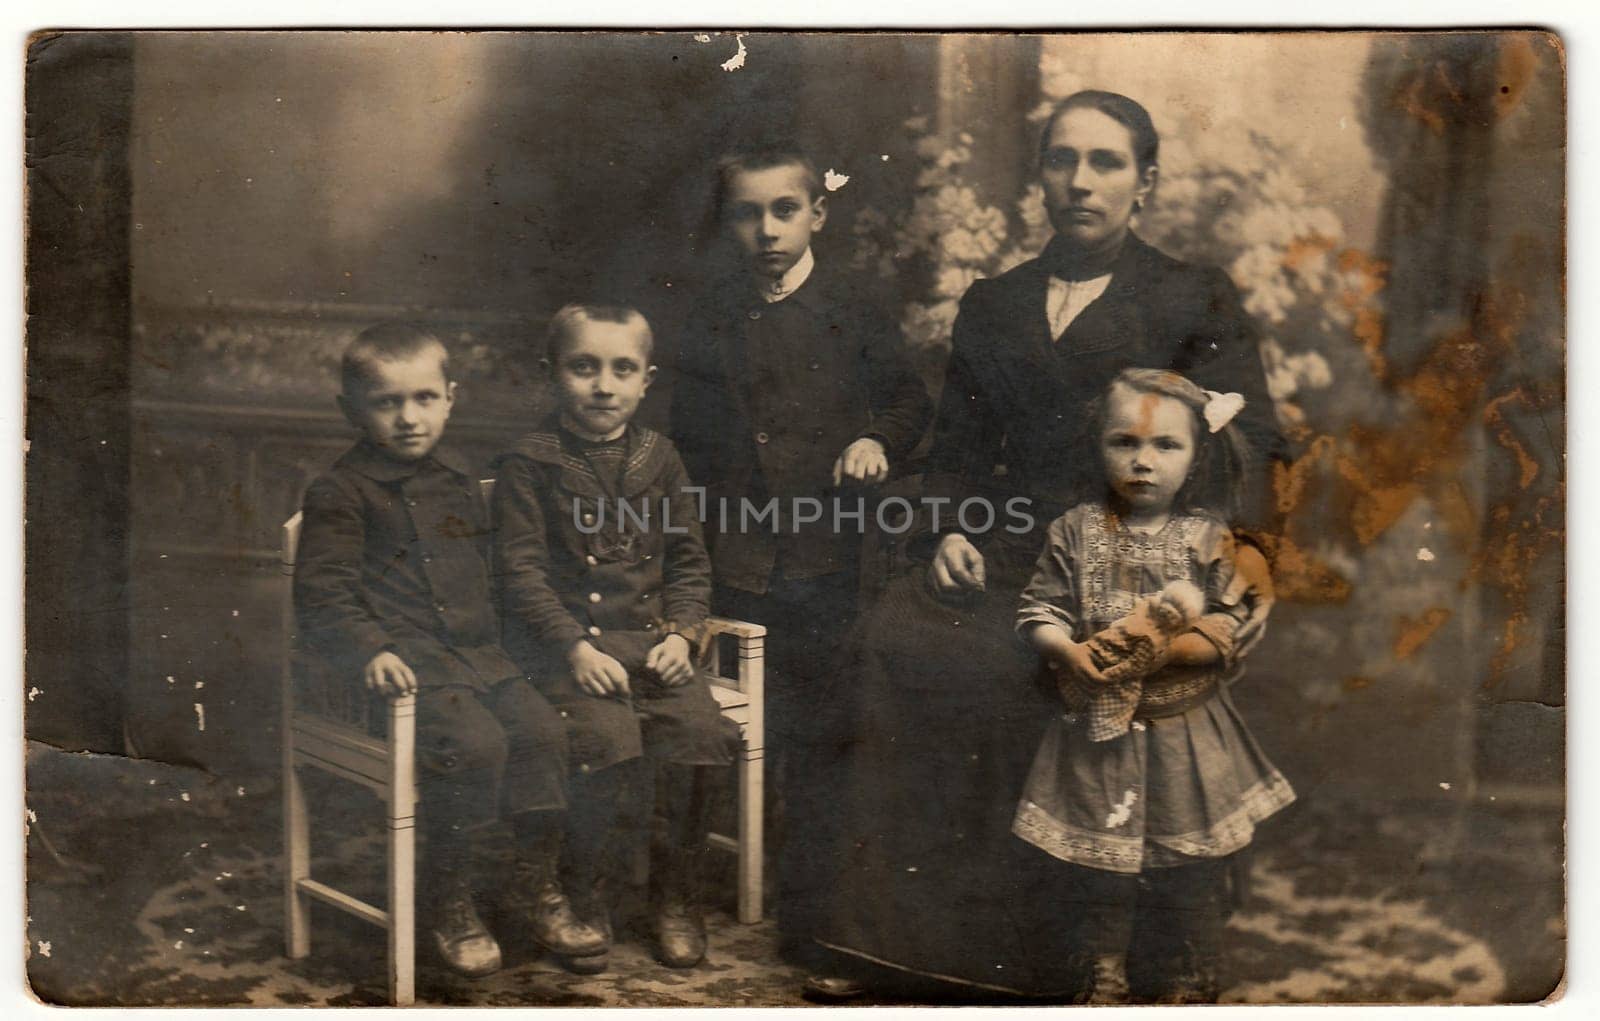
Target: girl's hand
[
  {"x": 957, "y": 567},
  {"x": 670, "y": 661},
  {"x": 596, "y": 673},
  {"x": 1076, "y": 662},
  {"x": 1252, "y": 587}
]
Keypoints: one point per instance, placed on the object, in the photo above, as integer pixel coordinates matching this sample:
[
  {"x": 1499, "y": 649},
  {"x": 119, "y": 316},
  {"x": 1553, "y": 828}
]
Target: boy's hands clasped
[{"x": 602, "y": 676}]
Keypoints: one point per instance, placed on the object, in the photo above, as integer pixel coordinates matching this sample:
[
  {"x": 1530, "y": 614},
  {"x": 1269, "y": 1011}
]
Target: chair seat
[
  {"x": 729, "y": 698},
  {"x": 340, "y": 749}
]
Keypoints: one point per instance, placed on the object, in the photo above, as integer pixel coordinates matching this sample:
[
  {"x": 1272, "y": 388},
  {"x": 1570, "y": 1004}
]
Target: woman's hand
[
  {"x": 957, "y": 566},
  {"x": 1252, "y": 587},
  {"x": 670, "y": 661}
]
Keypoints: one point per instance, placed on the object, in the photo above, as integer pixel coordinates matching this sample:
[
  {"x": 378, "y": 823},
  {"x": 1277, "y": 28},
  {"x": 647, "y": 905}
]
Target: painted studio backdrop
[{"x": 212, "y": 216}]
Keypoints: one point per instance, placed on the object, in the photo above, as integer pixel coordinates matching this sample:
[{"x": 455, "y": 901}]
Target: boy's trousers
[
  {"x": 807, "y": 623},
  {"x": 681, "y": 724},
  {"x": 484, "y": 756}
]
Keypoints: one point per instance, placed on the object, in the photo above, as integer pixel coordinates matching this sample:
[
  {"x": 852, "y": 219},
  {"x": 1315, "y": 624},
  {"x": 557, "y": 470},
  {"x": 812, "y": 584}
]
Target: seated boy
[
  {"x": 605, "y": 583},
  {"x": 392, "y": 587}
]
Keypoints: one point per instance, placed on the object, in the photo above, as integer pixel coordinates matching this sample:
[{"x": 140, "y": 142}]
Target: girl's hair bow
[{"x": 1220, "y": 409}]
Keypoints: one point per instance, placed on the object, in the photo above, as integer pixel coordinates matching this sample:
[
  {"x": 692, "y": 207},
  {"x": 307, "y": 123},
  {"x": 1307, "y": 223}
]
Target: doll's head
[{"x": 1176, "y": 607}]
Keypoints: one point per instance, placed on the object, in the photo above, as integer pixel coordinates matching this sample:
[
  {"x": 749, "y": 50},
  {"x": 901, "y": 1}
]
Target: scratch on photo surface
[
  {"x": 736, "y": 61},
  {"x": 1121, "y": 813}
]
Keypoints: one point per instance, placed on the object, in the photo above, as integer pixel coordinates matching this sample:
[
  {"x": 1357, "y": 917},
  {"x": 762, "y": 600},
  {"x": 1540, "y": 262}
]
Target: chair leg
[
  {"x": 751, "y": 799},
  {"x": 402, "y": 911},
  {"x": 297, "y": 865},
  {"x": 401, "y": 812}
]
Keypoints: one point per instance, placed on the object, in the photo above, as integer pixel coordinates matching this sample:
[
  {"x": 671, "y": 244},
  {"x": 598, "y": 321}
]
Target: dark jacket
[
  {"x": 569, "y": 569},
  {"x": 1014, "y": 417},
  {"x": 765, "y": 399},
  {"x": 395, "y": 556}
]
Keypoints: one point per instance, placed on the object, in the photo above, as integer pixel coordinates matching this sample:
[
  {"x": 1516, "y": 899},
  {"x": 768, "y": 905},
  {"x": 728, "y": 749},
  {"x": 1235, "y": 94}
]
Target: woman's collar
[{"x": 1067, "y": 261}]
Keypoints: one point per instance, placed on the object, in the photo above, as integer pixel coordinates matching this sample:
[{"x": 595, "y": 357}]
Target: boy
[
  {"x": 790, "y": 385},
  {"x": 393, "y": 587},
  {"x": 605, "y": 583}
]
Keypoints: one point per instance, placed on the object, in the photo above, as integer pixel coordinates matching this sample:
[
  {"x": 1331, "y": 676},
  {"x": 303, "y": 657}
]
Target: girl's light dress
[{"x": 1187, "y": 780}]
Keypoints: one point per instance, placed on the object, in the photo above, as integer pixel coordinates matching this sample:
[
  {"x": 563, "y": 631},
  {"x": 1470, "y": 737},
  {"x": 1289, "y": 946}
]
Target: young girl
[{"x": 1149, "y": 781}]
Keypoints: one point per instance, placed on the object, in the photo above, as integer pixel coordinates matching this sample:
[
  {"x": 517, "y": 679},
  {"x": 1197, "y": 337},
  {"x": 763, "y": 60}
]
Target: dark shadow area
[{"x": 80, "y": 90}]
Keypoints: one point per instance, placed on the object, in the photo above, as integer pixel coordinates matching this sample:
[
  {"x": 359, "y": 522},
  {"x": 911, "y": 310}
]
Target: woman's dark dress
[{"x": 944, "y": 718}]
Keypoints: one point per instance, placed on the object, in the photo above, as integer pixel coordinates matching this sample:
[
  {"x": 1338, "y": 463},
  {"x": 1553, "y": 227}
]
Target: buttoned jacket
[
  {"x": 574, "y": 563},
  {"x": 395, "y": 556},
  {"x": 767, "y": 396}
]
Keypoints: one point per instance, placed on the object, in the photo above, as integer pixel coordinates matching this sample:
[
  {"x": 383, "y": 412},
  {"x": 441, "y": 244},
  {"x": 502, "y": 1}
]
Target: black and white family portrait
[{"x": 695, "y": 519}]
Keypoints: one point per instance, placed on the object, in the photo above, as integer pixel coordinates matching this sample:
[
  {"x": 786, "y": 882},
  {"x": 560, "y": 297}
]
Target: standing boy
[
  {"x": 605, "y": 583},
  {"x": 392, "y": 587},
  {"x": 791, "y": 386}
]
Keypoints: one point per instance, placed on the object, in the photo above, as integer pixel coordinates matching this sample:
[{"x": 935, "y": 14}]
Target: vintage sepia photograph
[{"x": 777, "y": 518}]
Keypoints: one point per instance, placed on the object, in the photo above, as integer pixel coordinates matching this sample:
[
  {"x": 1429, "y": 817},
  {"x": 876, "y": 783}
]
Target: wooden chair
[{"x": 330, "y": 727}]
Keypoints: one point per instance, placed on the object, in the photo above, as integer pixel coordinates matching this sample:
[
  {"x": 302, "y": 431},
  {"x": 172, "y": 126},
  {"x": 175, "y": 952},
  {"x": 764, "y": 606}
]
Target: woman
[{"x": 930, "y": 881}]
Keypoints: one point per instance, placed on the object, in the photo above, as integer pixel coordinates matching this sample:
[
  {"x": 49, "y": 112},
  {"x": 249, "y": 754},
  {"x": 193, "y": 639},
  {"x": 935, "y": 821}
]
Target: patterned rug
[{"x": 176, "y": 899}]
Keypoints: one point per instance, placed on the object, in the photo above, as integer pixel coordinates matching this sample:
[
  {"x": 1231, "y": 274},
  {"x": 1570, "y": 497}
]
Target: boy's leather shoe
[
  {"x": 461, "y": 938},
  {"x": 557, "y": 928},
  {"x": 593, "y": 964},
  {"x": 680, "y": 934}
]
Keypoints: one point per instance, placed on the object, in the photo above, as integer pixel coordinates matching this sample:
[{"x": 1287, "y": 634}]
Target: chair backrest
[
  {"x": 286, "y": 562},
  {"x": 291, "y": 543}
]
